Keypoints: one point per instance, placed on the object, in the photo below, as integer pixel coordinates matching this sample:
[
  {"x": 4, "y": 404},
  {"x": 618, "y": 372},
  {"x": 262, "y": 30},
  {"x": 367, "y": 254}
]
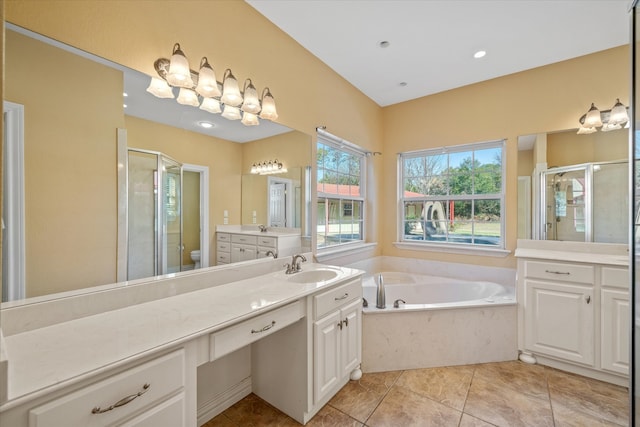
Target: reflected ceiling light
[
  {"x": 268, "y": 168},
  {"x": 479, "y": 54},
  {"x": 206, "y": 125},
  {"x": 202, "y": 89},
  {"x": 606, "y": 120}
]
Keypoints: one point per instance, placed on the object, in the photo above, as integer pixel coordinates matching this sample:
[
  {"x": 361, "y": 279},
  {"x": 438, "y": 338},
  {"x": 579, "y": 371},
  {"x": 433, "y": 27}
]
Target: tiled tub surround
[
  {"x": 47, "y": 362},
  {"x": 442, "y": 335}
]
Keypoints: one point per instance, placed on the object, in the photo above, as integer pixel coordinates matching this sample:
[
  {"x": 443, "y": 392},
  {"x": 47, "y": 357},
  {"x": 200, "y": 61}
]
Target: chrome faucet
[
  {"x": 262, "y": 228},
  {"x": 271, "y": 253},
  {"x": 380, "y": 294},
  {"x": 295, "y": 267}
]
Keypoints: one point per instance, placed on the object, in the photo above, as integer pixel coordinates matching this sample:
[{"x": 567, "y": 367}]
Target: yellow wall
[
  {"x": 70, "y": 158},
  {"x": 224, "y": 159},
  {"x": 191, "y": 215},
  {"x": 525, "y": 163},
  {"x": 569, "y": 148}
]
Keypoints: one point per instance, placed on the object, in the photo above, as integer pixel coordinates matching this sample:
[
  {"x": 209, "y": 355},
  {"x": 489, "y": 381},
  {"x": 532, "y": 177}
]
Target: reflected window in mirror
[
  {"x": 454, "y": 195},
  {"x": 340, "y": 206}
]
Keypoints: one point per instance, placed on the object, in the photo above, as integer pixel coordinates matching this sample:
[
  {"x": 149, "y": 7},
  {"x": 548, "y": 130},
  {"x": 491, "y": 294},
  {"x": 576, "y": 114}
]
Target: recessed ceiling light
[
  {"x": 479, "y": 54},
  {"x": 125, "y": 94},
  {"x": 383, "y": 44},
  {"x": 206, "y": 125},
  {"x": 124, "y": 105}
]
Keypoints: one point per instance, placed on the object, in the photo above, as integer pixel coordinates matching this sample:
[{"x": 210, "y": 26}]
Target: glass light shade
[
  {"x": 207, "y": 83},
  {"x": 231, "y": 113},
  {"x": 593, "y": 118},
  {"x": 611, "y": 126},
  {"x": 230, "y": 91},
  {"x": 160, "y": 88},
  {"x": 211, "y": 105},
  {"x": 179, "y": 74},
  {"x": 251, "y": 102},
  {"x": 254, "y": 169},
  {"x": 618, "y": 113},
  {"x": 188, "y": 97},
  {"x": 249, "y": 119},
  {"x": 268, "y": 106},
  {"x": 585, "y": 131}
]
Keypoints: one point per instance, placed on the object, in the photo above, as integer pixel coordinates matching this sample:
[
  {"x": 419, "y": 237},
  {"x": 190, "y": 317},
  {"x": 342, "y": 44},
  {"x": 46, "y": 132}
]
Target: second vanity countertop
[
  {"x": 46, "y": 359},
  {"x": 254, "y": 231}
]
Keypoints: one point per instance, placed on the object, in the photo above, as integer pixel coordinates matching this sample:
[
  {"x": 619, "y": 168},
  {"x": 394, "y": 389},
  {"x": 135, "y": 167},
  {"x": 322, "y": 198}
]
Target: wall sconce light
[
  {"x": 607, "y": 120},
  {"x": 202, "y": 89},
  {"x": 268, "y": 168}
]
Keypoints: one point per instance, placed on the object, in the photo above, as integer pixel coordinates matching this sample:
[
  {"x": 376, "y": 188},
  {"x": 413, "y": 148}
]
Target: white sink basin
[{"x": 312, "y": 276}]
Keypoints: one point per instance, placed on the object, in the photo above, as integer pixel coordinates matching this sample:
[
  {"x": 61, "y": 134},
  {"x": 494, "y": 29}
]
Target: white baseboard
[{"x": 223, "y": 400}]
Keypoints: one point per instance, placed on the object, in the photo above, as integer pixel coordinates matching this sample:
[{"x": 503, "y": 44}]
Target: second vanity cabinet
[
  {"x": 245, "y": 246},
  {"x": 573, "y": 308}
]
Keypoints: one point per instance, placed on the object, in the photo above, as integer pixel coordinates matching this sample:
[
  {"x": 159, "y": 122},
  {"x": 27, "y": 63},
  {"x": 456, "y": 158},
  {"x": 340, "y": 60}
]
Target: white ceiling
[{"x": 432, "y": 42}]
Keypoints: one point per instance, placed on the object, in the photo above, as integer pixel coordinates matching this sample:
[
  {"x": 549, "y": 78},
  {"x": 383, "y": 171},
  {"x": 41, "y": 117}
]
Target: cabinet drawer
[
  {"x": 164, "y": 376},
  {"x": 223, "y": 257},
  {"x": 223, "y": 237},
  {"x": 615, "y": 277},
  {"x": 559, "y": 271},
  {"x": 267, "y": 241},
  {"x": 243, "y": 238},
  {"x": 223, "y": 247},
  {"x": 336, "y": 297},
  {"x": 238, "y": 336}
]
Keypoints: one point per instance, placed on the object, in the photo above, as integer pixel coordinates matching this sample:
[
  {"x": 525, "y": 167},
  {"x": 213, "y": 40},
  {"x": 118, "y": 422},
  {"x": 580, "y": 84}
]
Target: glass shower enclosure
[
  {"x": 154, "y": 214},
  {"x": 586, "y": 203}
]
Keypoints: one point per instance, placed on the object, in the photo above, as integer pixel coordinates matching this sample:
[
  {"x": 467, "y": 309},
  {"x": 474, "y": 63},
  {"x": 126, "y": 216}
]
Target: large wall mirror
[
  {"x": 574, "y": 187},
  {"x": 68, "y": 111}
]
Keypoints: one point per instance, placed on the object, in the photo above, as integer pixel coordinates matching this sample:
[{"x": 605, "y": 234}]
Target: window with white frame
[
  {"x": 454, "y": 195},
  {"x": 340, "y": 180}
]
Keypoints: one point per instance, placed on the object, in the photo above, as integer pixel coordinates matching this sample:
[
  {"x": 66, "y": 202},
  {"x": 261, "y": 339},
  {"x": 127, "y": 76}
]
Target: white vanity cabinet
[
  {"x": 573, "y": 307},
  {"x": 337, "y": 332},
  {"x": 237, "y": 247},
  {"x": 560, "y": 315}
]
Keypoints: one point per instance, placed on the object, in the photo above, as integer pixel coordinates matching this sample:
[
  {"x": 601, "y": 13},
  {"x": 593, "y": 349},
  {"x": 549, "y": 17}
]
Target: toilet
[{"x": 195, "y": 257}]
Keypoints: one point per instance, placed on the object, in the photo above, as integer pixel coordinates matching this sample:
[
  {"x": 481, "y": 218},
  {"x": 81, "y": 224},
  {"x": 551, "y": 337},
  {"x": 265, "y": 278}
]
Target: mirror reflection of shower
[{"x": 586, "y": 202}]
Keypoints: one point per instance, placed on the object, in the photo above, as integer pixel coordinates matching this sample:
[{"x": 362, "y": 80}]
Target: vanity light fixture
[
  {"x": 606, "y": 120},
  {"x": 202, "y": 89},
  {"x": 268, "y": 168}
]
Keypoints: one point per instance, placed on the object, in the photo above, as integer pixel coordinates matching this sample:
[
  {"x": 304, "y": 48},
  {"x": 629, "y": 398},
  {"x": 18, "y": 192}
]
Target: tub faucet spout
[{"x": 380, "y": 295}]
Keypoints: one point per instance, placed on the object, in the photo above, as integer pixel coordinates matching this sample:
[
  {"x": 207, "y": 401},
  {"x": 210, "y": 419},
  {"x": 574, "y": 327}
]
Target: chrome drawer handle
[
  {"x": 122, "y": 401},
  {"x": 266, "y": 328},
  {"x": 558, "y": 272},
  {"x": 345, "y": 296}
]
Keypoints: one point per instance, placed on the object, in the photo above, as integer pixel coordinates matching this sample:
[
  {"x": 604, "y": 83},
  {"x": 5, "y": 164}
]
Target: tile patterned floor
[{"x": 494, "y": 394}]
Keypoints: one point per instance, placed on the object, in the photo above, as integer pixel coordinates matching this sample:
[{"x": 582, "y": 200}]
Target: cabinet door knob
[
  {"x": 340, "y": 324},
  {"x": 346, "y": 321},
  {"x": 587, "y": 298}
]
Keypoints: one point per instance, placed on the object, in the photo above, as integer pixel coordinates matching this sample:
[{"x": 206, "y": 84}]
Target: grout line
[{"x": 466, "y": 396}]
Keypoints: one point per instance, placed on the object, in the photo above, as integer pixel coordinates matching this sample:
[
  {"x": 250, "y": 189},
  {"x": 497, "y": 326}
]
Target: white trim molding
[{"x": 452, "y": 249}]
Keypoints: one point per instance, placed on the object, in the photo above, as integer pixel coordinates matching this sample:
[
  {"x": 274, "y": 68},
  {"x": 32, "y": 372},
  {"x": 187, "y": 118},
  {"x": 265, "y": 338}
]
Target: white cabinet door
[
  {"x": 243, "y": 252},
  {"x": 560, "y": 320},
  {"x": 351, "y": 348},
  {"x": 615, "y": 320},
  {"x": 326, "y": 363}
]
